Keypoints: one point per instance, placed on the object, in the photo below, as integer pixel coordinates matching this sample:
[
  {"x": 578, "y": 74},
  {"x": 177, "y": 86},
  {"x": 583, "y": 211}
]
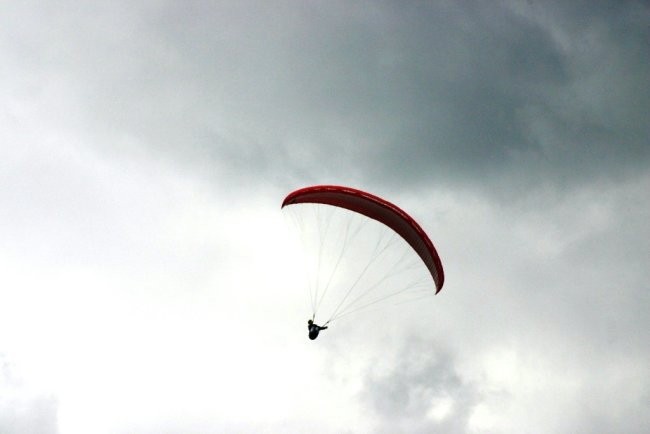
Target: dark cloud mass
[
  {"x": 456, "y": 92},
  {"x": 522, "y": 98},
  {"x": 499, "y": 96}
]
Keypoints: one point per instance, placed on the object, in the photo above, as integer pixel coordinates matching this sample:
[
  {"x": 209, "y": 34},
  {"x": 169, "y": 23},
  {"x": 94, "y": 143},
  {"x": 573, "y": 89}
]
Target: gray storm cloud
[{"x": 511, "y": 94}]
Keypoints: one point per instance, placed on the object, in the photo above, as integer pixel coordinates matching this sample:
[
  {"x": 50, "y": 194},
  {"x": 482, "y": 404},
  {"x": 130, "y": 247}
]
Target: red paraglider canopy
[{"x": 378, "y": 209}]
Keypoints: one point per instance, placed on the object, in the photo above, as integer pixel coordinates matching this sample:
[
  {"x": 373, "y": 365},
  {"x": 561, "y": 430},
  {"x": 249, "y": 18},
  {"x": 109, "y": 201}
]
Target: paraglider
[
  {"x": 314, "y": 329},
  {"x": 360, "y": 250}
]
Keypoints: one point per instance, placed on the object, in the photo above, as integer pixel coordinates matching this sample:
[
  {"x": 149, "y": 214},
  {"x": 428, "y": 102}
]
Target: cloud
[
  {"x": 24, "y": 410},
  {"x": 499, "y": 98},
  {"x": 419, "y": 391},
  {"x": 551, "y": 321}
]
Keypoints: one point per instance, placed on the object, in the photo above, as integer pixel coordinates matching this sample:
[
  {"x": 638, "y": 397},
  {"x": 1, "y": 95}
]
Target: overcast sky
[{"x": 147, "y": 282}]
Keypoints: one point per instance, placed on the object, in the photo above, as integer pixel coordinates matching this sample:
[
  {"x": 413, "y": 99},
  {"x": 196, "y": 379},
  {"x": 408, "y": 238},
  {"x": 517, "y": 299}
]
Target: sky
[{"x": 147, "y": 280}]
